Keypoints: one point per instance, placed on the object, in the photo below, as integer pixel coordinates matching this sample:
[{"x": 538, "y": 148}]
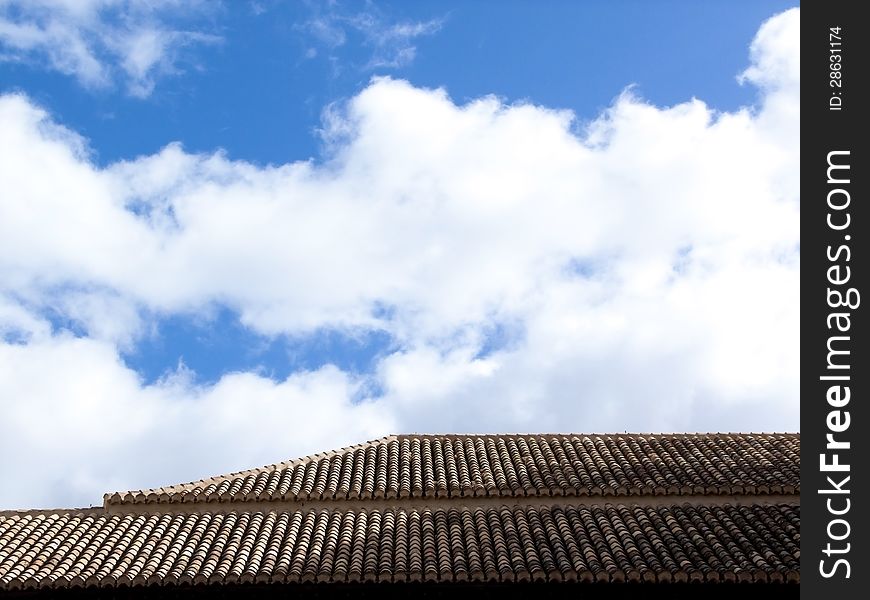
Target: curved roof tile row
[
  {"x": 613, "y": 542},
  {"x": 417, "y": 466}
]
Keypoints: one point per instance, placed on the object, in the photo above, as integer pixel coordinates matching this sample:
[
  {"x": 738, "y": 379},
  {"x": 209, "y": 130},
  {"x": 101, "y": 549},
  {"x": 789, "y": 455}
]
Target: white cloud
[
  {"x": 776, "y": 54},
  {"x": 99, "y": 41},
  {"x": 391, "y": 43},
  {"x": 91, "y": 424},
  {"x": 643, "y": 274}
]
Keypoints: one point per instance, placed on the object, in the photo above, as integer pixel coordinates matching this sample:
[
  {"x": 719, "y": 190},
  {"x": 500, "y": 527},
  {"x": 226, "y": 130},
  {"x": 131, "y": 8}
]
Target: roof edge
[
  {"x": 121, "y": 497},
  {"x": 91, "y": 510},
  {"x": 147, "y": 495}
]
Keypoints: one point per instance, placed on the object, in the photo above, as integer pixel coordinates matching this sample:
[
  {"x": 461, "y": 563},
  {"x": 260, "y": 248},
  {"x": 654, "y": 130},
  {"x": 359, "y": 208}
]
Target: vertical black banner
[{"x": 835, "y": 225}]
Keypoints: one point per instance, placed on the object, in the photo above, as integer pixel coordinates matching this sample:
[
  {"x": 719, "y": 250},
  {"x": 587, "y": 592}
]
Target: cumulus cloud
[
  {"x": 637, "y": 273},
  {"x": 114, "y": 432},
  {"x": 100, "y": 41}
]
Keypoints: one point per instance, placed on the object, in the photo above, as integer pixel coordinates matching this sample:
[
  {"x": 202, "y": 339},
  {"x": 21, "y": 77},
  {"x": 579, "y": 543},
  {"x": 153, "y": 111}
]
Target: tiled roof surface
[
  {"x": 449, "y": 508},
  {"x": 435, "y": 466},
  {"x": 613, "y": 542}
]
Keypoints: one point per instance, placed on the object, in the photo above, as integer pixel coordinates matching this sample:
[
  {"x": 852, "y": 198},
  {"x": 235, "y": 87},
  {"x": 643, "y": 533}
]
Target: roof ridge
[
  {"x": 49, "y": 512},
  {"x": 401, "y": 436}
]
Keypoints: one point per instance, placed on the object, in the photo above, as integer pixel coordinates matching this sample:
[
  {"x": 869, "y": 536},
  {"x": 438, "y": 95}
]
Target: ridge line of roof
[
  {"x": 694, "y": 499},
  {"x": 681, "y": 434},
  {"x": 18, "y": 512}
]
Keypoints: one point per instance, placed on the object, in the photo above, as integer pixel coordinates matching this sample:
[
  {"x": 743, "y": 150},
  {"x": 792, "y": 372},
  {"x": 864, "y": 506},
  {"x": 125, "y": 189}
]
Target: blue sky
[
  {"x": 441, "y": 216},
  {"x": 254, "y": 91}
]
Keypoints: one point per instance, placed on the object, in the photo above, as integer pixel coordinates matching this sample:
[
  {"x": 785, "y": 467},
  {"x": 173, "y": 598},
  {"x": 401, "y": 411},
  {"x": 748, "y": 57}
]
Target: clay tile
[
  {"x": 744, "y": 576},
  {"x": 649, "y": 576}
]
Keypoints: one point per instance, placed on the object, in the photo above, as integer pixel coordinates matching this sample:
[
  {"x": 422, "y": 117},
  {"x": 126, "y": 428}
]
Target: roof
[
  {"x": 442, "y": 508},
  {"x": 440, "y": 466}
]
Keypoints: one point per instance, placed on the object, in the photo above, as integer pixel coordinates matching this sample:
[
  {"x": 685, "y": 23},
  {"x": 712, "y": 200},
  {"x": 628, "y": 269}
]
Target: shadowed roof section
[
  {"x": 608, "y": 543},
  {"x": 441, "y": 509},
  {"x": 440, "y": 466}
]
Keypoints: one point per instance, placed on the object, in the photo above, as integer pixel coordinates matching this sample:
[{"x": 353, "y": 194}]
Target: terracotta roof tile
[
  {"x": 433, "y": 466},
  {"x": 612, "y": 542},
  {"x": 600, "y": 508}
]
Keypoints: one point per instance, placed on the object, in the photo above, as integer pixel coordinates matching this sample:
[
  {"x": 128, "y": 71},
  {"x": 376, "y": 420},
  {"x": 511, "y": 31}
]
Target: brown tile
[{"x": 615, "y": 539}]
